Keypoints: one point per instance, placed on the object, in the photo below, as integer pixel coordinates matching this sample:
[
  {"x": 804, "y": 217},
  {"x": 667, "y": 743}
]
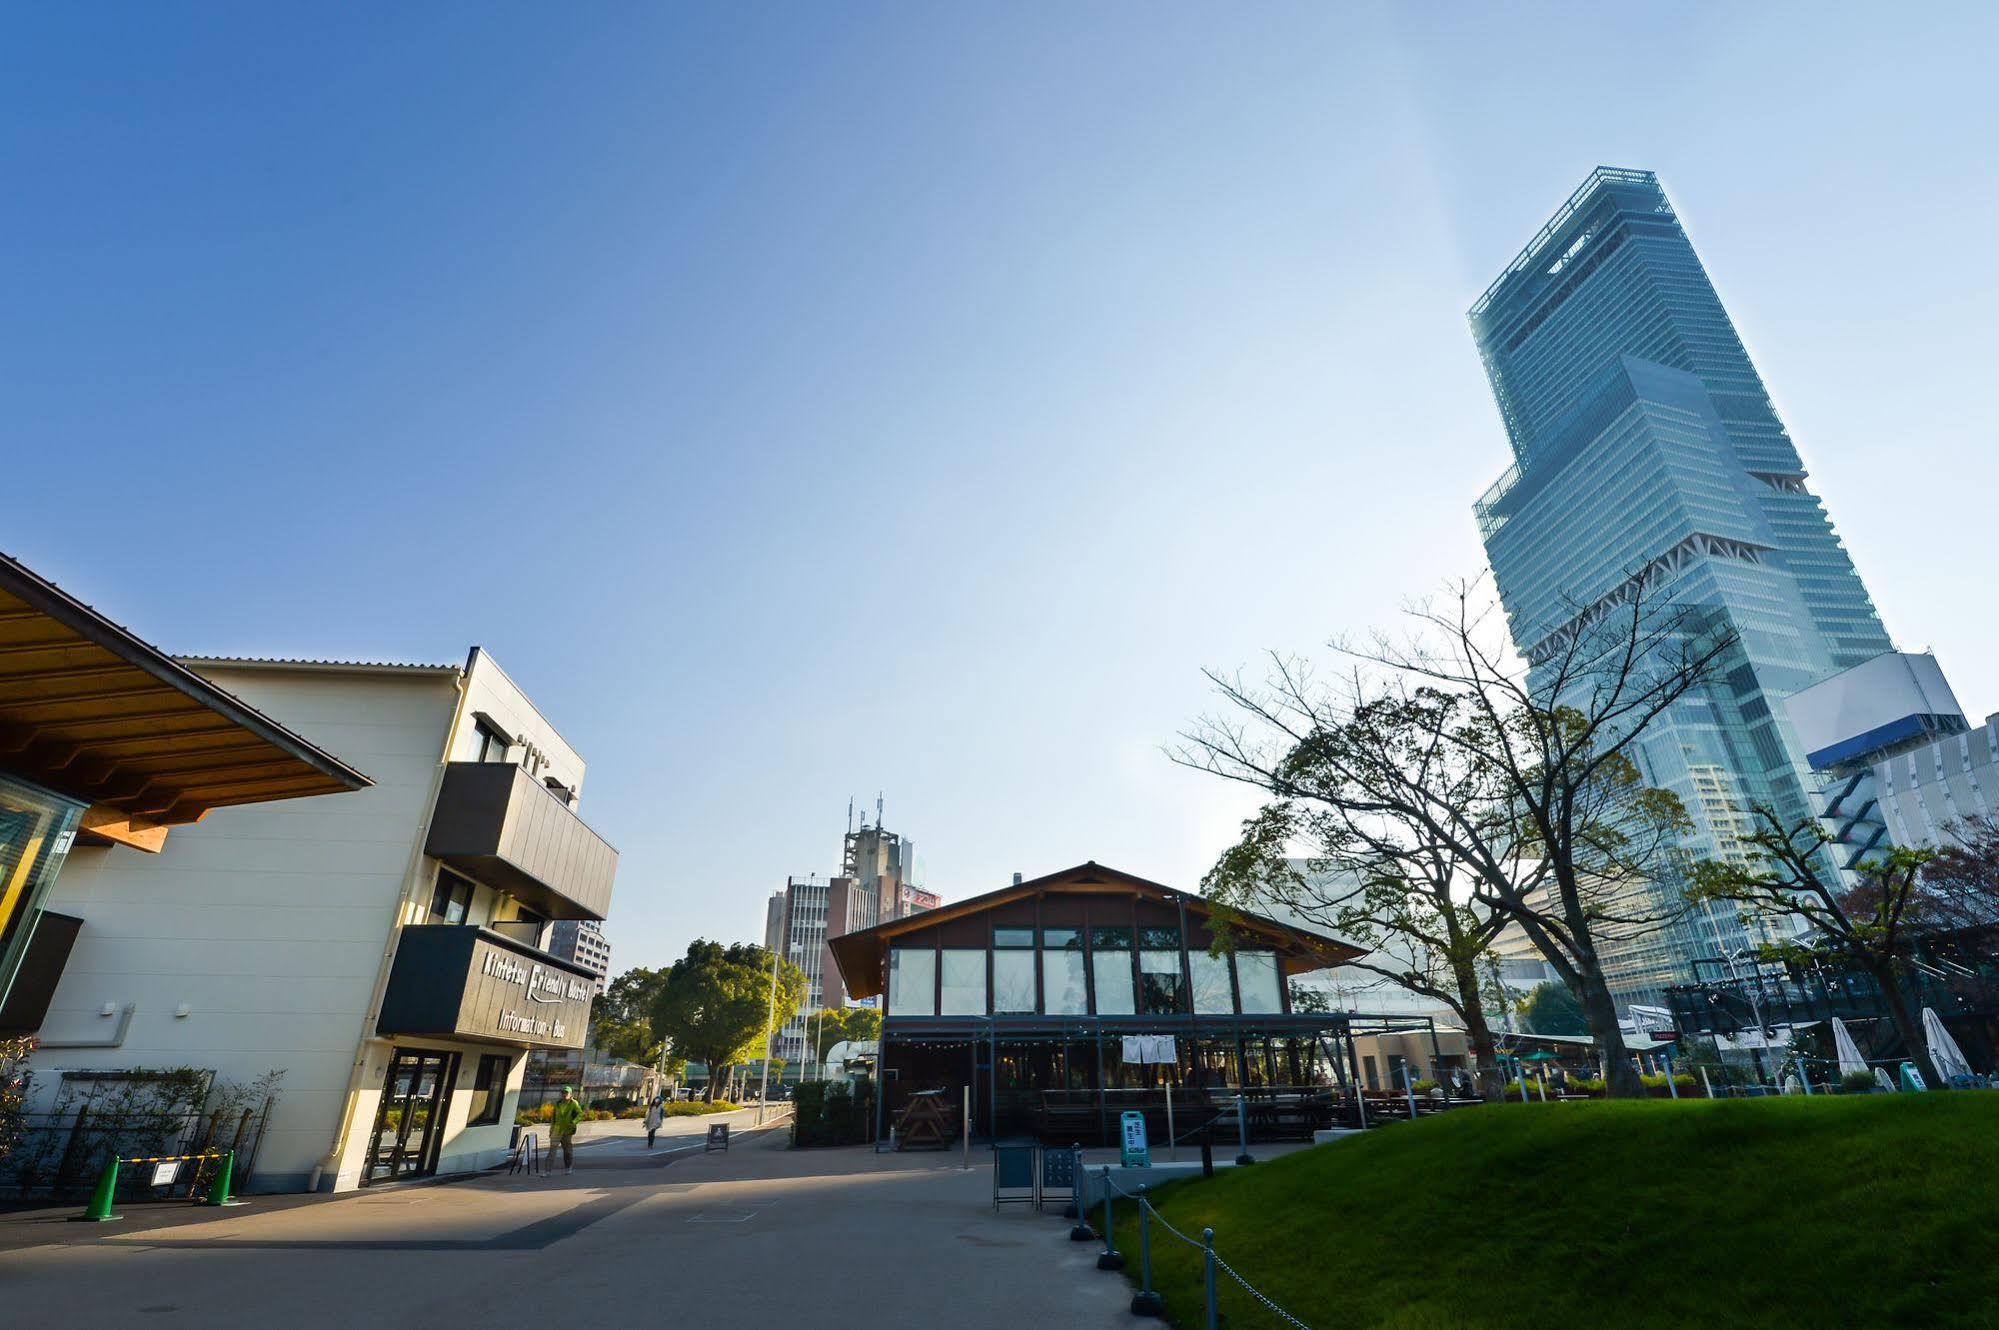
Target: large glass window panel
[
  {"x": 1159, "y": 980},
  {"x": 912, "y": 981},
  {"x": 1113, "y": 972},
  {"x": 36, "y": 828},
  {"x": 1062, "y": 980},
  {"x": 1256, "y": 975},
  {"x": 1212, "y": 994},
  {"x": 964, "y": 988},
  {"x": 1013, "y": 981},
  {"x": 1013, "y": 937}
]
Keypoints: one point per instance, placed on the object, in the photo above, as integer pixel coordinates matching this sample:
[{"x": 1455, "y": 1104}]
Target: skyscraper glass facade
[{"x": 1645, "y": 446}]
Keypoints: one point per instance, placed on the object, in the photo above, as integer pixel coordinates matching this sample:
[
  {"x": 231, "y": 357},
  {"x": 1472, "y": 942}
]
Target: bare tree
[
  {"x": 1378, "y": 880},
  {"x": 1867, "y": 925},
  {"x": 1961, "y": 884},
  {"x": 1523, "y": 778}
]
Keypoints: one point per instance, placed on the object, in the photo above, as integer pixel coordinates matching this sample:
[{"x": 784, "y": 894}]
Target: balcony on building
[
  {"x": 497, "y": 824},
  {"x": 460, "y": 981}
]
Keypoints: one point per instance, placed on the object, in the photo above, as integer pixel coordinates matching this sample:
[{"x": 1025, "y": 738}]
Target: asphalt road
[{"x": 838, "y": 1237}]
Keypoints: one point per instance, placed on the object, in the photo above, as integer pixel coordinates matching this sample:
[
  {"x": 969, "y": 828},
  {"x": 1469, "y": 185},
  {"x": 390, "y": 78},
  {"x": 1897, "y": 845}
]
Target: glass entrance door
[{"x": 411, "y": 1115}]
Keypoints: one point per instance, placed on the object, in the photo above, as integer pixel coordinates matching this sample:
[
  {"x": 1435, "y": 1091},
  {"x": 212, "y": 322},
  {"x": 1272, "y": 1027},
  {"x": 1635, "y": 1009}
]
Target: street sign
[
  {"x": 718, "y": 1136},
  {"x": 1133, "y": 1152},
  {"x": 165, "y": 1171}
]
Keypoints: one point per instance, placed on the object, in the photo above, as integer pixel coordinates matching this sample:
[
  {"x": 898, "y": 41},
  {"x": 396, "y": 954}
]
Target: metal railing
[{"x": 61, "y": 1153}]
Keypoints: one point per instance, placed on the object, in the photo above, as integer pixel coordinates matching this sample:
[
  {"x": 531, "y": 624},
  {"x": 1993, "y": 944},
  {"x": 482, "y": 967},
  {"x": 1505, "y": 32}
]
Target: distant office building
[
  {"x": 817, "y": 910},
  {"x": 877, "y": 883},
  {"x": 883, "y": 864},
  {"x": 1907, "y": 766},
  {"x": 583, "y": 941},
  {"x": 1647, "y": 454},
  {"x": 774, "y": 922}
]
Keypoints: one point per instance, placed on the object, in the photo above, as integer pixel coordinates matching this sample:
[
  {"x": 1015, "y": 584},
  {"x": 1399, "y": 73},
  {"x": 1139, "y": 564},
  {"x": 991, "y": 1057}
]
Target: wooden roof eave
[{"x": 863, "y": 956}]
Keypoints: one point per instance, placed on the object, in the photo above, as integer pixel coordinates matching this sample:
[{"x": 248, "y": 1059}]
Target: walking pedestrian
[
  {"x": 562, "y": 1127},
  {"x": 654, "y": 1113}
]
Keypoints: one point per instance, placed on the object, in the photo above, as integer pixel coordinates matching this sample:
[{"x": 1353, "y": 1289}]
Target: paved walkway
[{"x": 836, "y": 1237}]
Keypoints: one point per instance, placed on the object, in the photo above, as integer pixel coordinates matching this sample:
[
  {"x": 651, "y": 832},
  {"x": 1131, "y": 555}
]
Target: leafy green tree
[
  {"x": 1552, "y": 1009},
  {"x": 621, "y": 1020},
  {"x": 715, "y": 1005},
  {"x": 1866, "y": 925},
  {"x": 837, "y": 1024},
  {"x": 1380, "y": 882}
]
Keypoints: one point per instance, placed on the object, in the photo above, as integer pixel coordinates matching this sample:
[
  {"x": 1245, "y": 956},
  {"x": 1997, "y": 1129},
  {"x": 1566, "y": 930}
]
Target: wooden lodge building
[{"x": 1064, "y": 1001}]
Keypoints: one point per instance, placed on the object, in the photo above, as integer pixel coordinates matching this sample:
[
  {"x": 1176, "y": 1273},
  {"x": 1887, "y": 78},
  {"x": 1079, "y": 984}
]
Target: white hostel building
[{"x": 385, "y": 948}]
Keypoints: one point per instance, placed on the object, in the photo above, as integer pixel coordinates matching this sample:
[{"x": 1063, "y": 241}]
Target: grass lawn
[{"x": 1861, "y": 1210}]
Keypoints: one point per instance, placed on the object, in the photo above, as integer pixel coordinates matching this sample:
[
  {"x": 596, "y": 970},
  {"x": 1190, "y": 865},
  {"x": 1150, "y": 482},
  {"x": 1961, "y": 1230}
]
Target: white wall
[
  {"x": 488, "y": 689},
  {"x": 270, "y": 922}
]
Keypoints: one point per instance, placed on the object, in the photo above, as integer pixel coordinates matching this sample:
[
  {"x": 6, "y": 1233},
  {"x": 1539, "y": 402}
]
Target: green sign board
[{"x": 1133, "y": 1152}]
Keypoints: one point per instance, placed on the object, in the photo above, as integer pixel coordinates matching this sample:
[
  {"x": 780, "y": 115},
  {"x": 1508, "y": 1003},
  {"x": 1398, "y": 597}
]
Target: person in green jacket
[{"x": 562, "y": 1126}]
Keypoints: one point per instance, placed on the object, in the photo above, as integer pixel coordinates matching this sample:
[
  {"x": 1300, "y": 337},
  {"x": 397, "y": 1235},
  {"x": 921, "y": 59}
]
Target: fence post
[
  {"x": 1078, "y": 1204},
  {"x": 1110, "y": 1260},
  {"x": 1672, "y": 1090},
  {"x": 1708, "y": 1084},
  {"x": 1409, "y": 1090},
  {"x": 1145, "y": 1302},
  {"x": 69, "y": 1158},
  {"x": 1072, "y": 1210},
  {"x": 1242, "y": 1130},
  {"x": 1208, "y": 1274}
]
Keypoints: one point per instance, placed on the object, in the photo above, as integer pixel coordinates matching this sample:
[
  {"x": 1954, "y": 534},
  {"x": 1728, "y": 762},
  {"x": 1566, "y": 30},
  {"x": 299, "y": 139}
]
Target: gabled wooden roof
[
  {"x": 90, "y": 710},
  {"x": 863, "y": 956}
]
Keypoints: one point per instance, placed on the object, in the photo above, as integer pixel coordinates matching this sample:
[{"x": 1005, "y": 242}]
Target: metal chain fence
[{"x": 1147, "y": 1301}]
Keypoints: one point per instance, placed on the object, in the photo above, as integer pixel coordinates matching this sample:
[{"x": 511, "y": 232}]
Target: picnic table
[{"x": 928, "y": 1123}]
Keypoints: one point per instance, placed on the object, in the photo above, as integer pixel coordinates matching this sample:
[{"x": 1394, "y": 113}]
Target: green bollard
[
  {"x": 99, "y": 1209},
  {"x": 218, "y": 1191}
]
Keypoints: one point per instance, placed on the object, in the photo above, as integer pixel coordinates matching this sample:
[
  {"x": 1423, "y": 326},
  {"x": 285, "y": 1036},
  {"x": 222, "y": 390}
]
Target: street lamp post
[{"x": 770, "y": 1029}]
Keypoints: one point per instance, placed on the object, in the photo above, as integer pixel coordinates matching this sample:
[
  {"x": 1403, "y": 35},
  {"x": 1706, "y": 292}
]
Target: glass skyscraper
[{"x": 1645, "y": 446}]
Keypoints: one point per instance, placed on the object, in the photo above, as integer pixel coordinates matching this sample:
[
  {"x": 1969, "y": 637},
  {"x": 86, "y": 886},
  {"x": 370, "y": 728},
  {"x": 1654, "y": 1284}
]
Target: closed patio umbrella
[
  {"x": 1850, "y": 1060},
  {"x": 1944, "y": 1052}
]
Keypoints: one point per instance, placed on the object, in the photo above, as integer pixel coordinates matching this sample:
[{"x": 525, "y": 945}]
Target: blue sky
[{"x": 805, "y": 401}]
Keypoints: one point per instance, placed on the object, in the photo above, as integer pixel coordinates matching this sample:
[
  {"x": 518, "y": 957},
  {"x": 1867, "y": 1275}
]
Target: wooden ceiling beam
[
  {"x": 189, "y": 712},
  {"x": 117, "y": 827},
  {"x": 96, "y": 695},
  {"x": 279, "y": 764},
  {"x": 47, "y": 644}
]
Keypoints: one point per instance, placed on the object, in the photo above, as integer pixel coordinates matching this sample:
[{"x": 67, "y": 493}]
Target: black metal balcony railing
[{"x": 498, "y": 824}]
